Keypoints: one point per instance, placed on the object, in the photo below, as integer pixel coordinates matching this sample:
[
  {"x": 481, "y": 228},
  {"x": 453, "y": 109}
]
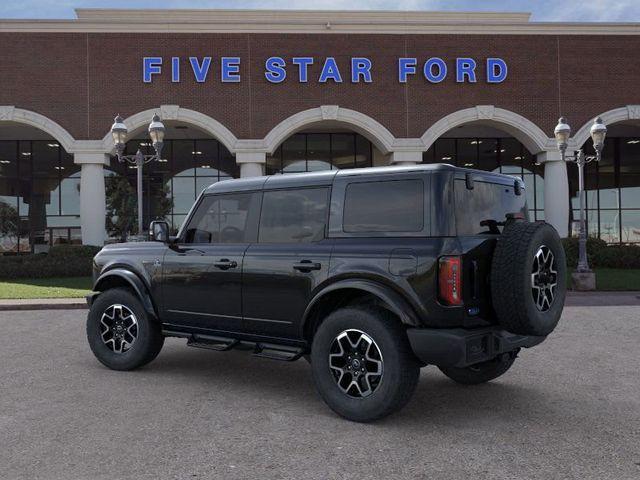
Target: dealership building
[{"x": 246, "y": 93}]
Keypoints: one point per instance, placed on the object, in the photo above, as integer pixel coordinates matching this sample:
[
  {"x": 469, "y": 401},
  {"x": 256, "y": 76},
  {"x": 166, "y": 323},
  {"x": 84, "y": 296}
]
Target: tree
[
  {"x": 9, "y": 221},
  {"x": 122, "y": 207},
  {"x": 122, "y": 212}
]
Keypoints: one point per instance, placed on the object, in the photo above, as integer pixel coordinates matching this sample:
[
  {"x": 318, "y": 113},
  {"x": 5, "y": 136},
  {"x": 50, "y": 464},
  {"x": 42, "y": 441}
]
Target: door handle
[
  {"x": 225, "y": 264},
  {"x": 306, "y": 266}
]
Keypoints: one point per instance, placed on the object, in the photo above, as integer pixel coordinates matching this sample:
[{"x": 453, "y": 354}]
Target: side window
[
  {"x": 294, "y": 216},
  {"x": 387, "y": 206},
  {"x": 228, "y": 218}
]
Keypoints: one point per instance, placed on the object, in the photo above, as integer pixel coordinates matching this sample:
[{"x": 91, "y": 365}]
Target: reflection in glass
[{"x": 306, "y": 152}]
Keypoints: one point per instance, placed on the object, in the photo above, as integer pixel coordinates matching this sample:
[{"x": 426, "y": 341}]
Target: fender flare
[
  {"x": 393, "y": 300},
  {"x": 133, "y": 280}
]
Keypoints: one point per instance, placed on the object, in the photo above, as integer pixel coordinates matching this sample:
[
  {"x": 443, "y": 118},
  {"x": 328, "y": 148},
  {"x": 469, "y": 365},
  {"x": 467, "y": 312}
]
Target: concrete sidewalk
[{"x": 574, "y": 299}]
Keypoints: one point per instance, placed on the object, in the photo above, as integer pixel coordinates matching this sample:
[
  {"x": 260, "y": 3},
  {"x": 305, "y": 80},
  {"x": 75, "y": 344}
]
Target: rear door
[
  {"x": 202, "y": 273},
  {"x": 290, "y": 259}
]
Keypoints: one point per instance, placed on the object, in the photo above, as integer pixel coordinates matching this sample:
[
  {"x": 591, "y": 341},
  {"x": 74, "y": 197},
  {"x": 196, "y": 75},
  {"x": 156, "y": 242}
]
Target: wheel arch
[
  {"x": 347, "y": 292},
  {"x": 120, "y": 277}
]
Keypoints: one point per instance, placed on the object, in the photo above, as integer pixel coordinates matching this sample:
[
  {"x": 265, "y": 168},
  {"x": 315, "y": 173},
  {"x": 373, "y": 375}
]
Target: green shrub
[
  {"x": 618, "y": 256},
  {"x": 601, "y": 255},
  {"x": 61, "y": 261},
  {"x": 571, "y": 249}
]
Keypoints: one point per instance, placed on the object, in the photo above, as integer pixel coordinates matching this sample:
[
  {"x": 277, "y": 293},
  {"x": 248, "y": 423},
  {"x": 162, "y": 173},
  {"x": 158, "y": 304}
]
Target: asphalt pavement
[{"x": 569, "y": 408}]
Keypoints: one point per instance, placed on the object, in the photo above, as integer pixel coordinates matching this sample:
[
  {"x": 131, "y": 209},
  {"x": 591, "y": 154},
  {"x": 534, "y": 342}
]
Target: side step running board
[
  {"x": 259, "y": 349},
  {"x": 277, "y": 352},
  {"x": 210, "y": 342}
]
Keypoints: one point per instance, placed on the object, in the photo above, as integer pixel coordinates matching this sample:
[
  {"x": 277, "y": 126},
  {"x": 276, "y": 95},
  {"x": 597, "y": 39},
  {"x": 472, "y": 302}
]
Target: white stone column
[
  {"x": 405, "y": 158},
  {"x": 251, "y": 163},
  {"x": 556, "y": 191},
  {"x": 92, "y": 197}
]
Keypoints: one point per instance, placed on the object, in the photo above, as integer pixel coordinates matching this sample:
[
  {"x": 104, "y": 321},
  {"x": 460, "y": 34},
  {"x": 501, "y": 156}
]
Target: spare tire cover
[{"x": 529, "y": 278}]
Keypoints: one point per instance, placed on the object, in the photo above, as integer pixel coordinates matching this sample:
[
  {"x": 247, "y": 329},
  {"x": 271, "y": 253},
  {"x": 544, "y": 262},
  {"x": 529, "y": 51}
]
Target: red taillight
[{"x": 450, "y": 280}]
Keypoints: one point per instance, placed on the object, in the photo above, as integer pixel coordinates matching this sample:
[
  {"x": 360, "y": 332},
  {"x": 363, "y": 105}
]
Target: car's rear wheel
[
  {"x": 482, "y": 372},
  {"x": 120, "y": 333},
  {"x": 363, "y": 366}
]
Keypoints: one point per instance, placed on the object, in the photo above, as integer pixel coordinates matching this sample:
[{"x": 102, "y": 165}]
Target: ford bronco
[{"x": 370, "y": 274}]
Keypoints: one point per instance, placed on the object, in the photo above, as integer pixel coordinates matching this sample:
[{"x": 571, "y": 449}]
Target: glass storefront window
[
  {"x": 305, "y": 152},
  {"x": 630, "y": 224},
  {"x": 39, "y": 192},
  {"x": 186, "y": 168}
]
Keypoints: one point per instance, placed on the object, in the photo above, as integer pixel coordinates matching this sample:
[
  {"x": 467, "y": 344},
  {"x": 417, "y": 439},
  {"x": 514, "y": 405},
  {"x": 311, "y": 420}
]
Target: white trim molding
[
  {"x": 363, "y": 124},
  {"x": 629, "y": 112},
  {"x": 523, "y": 129},
  {"x": 179, "y": 114},
  {"x": 10, "y": 113},
  {"x": 309, "y": 21}
]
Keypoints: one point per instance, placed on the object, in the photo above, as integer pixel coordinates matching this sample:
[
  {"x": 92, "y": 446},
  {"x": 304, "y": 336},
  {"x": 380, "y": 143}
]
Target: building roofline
[{"x": 311, "y": 21}]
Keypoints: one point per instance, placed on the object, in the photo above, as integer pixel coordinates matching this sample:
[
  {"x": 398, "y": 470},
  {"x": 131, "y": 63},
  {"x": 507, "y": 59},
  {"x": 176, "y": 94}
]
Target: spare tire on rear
[{"x": 528, "y": 278}]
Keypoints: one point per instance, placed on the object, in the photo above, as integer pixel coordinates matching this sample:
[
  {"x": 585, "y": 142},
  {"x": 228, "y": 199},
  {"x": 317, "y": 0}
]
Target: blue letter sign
[
  {"x": 303, "y": 66},
  {"x": 330, "y": 71},
  {"x": 496, "y": 70},
  {"x": 465, "y": 67},
  {"x": 151, "y": 66},
  {"x": 428, "y": 70},
  {"x": 360, "y": 67},
  {"x": 230, "y": 69},
  {"x": 275, "y": 69},
  {"x": 434, "y": 69},
  {"x": 406, "y": 66},
  {"x": 200, "y": 71}
]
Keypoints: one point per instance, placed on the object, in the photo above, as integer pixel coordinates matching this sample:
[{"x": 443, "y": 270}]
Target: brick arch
[
  {"x": 9, "y": 113},
  {"x": 527, "y": 132},
  {"x": 363, "y": 124},
  {"x": 629, "y": 112},
  {"x": 177, "y": 113}
]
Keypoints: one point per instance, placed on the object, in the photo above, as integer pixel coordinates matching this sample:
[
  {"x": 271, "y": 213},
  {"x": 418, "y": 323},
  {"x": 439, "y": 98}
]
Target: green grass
[
  {"x": 71, "y": 287},
  {"x": 613, "y": 279},
  {"x": 607, "y": 279}
]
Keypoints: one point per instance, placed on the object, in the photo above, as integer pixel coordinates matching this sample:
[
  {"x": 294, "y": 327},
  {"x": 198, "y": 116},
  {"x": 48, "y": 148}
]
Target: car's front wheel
[
  {"x": 362, "y": 363},
  {"x": 120, "y": 333}
]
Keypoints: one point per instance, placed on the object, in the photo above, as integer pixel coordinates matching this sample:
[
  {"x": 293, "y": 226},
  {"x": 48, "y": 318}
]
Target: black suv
[{"x": 370, "y": 274}]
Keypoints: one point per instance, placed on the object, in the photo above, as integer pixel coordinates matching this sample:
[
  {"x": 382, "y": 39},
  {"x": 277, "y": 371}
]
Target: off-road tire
[
  {"x": 511, "y": 278},
  {"x": 149, "y": 340},
  {"x": 482, "y": 372},
  {"x": 400, "y": 368}
]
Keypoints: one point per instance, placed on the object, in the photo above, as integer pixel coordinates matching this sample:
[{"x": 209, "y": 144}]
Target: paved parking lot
[{"x": 568, "y": 409}]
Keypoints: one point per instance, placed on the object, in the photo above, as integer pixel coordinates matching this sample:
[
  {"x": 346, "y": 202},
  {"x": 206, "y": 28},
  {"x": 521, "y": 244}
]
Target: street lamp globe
[
  {"x": 156, "y": 132},
  {"x": 598, "y": 132},
  {"x": 119, "y": 133},
  {"x": 562, "y": 133}
]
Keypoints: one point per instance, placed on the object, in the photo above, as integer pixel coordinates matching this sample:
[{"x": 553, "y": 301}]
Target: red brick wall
[{"x": 82, "y": 80}]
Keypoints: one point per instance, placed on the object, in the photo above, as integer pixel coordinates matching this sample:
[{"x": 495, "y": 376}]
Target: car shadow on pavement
[{"x": 436, "y": 399}]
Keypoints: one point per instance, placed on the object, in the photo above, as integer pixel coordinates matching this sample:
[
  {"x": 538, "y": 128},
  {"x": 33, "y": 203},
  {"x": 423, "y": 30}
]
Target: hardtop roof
[{"x": 326, "y": 177}]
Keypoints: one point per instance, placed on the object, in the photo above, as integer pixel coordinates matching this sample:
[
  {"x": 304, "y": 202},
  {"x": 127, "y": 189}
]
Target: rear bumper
[{"x": 459, "y": 347}]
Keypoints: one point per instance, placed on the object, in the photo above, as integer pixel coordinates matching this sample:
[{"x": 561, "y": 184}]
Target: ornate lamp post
[
  {"x": 156, "y": 132},
  {"x": 562, "y": 133}
]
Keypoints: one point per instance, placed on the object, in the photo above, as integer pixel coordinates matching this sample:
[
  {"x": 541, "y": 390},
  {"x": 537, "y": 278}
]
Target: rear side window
[
  {"x": 294, "y": 216},
  {"x": 486, "y": 202},
  {"x": 389, "y": 206}
]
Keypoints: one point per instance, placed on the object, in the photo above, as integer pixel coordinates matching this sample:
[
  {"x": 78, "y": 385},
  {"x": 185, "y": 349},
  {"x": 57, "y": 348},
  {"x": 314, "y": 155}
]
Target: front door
[
  {"x": 290, "y": 259},
  {"x": 202, "y": 271}
]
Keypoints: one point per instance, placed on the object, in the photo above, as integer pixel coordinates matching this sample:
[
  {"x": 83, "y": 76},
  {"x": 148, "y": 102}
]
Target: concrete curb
[
  {"x": 43, "y": 304},
  {"x": 574, "y": 299}
]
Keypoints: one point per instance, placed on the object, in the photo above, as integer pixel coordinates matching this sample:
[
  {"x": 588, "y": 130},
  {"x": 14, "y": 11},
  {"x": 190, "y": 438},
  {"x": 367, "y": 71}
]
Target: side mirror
[{"x": 159, "y": 231}]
